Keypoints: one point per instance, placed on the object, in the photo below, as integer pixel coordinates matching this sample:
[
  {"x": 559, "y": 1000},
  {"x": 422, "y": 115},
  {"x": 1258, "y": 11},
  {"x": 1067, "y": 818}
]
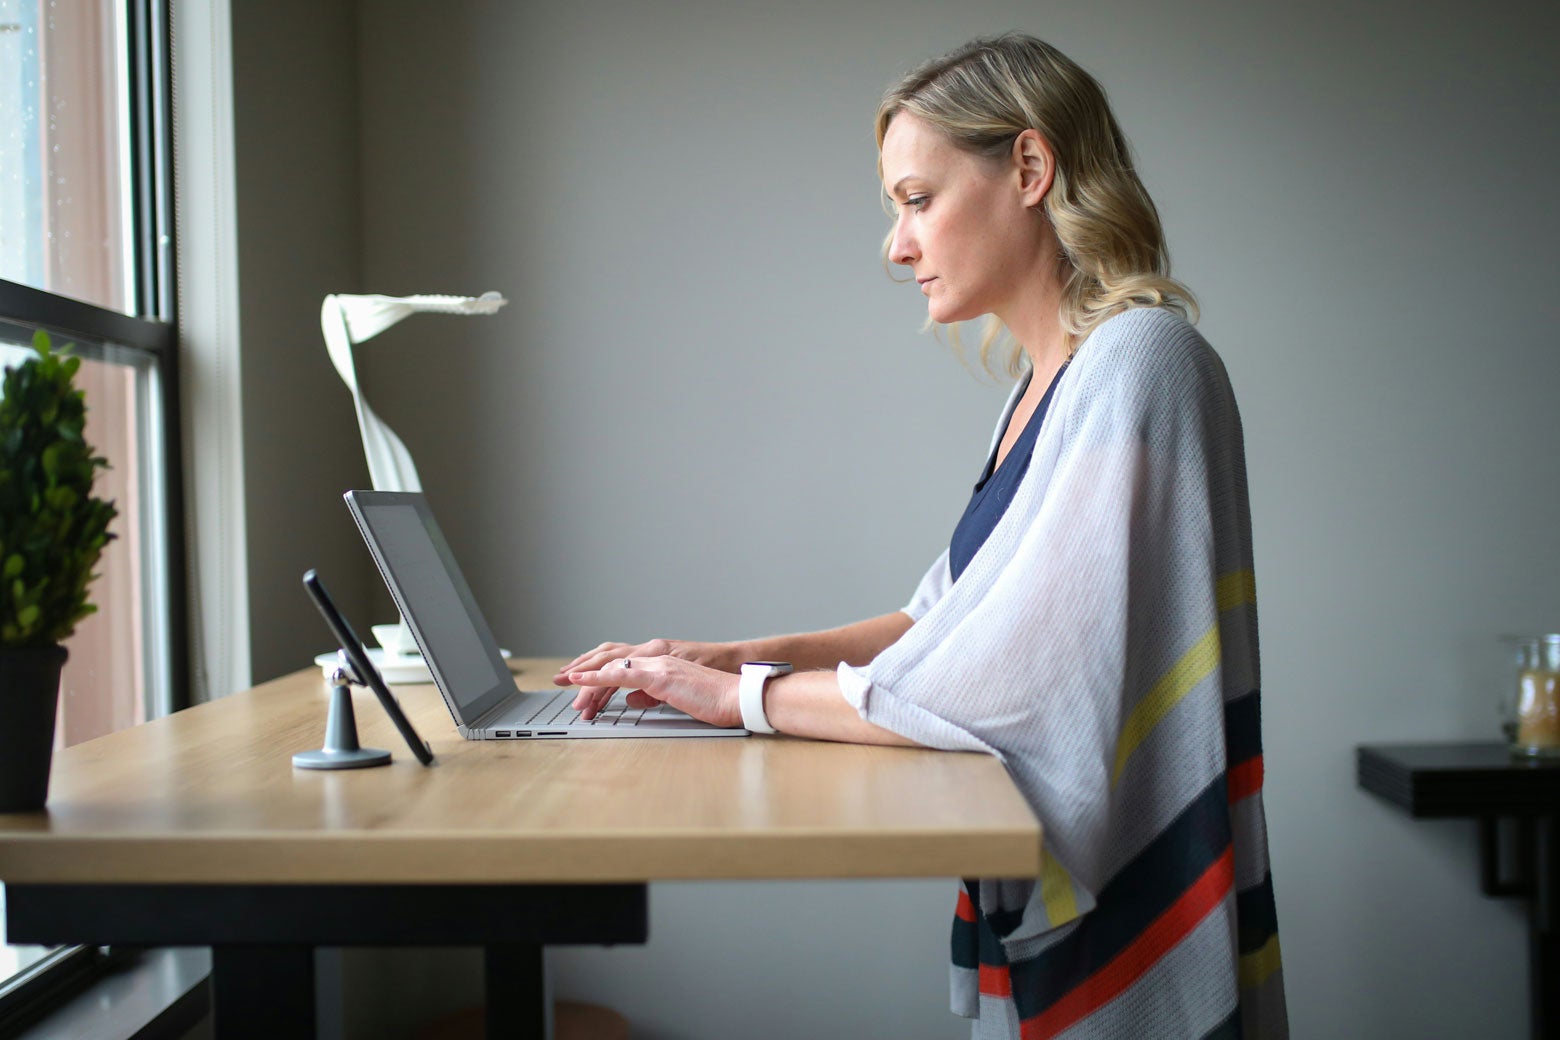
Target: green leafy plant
[{"x": 52, "y": 531}]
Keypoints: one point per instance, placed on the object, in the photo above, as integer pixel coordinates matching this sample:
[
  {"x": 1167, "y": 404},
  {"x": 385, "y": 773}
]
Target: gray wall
[
  {"x": 707, "y": 411},
  {"x": 296, "y": 186}
]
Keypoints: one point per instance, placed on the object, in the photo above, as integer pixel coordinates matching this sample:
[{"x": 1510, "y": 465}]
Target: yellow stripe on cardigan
[
  {"x": 1056, "y": 890},
  {"x": 1257, "y": 966},
  {"x": 1232, "y": 590}
]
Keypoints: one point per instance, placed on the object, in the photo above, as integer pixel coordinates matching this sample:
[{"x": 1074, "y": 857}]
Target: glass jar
[{"x": 1532, "y": 715}]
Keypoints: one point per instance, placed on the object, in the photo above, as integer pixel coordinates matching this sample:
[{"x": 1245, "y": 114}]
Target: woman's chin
[{"x": 943, "y": 314}]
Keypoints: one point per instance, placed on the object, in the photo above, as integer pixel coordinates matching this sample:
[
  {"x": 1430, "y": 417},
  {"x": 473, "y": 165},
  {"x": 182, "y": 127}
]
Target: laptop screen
[{"x": 434, "y": 598}]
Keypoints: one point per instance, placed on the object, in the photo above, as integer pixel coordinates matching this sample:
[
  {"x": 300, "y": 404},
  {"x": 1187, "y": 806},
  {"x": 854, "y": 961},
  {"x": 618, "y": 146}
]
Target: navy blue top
[{"x": 994, "y": 491}]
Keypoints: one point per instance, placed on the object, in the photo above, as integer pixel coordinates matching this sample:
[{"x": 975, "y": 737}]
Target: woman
[{"x": 1093, "y": 622}]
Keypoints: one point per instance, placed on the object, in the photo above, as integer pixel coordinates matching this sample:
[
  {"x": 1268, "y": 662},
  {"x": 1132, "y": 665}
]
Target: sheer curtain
[{"x": 77, "y": 194}]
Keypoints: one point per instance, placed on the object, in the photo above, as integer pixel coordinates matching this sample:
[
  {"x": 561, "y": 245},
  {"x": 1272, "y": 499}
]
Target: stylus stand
[{"x": 341, "y": 750}]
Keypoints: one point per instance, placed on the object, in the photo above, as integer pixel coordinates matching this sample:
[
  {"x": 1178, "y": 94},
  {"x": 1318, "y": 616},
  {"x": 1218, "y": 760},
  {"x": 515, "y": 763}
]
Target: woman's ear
[{"x": 1035, "y": 165}]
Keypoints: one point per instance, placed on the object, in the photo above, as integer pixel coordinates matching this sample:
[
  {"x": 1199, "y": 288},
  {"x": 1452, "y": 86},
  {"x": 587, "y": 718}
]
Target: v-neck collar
[{"x": 1028, "y": 433}]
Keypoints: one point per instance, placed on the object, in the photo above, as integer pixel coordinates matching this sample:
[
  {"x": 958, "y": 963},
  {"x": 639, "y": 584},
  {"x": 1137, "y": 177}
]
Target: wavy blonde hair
[{"x": 982, "y": 96}]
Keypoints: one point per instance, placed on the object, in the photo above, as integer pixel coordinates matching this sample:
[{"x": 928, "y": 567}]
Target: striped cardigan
[{"x": 1103, "y": 644}]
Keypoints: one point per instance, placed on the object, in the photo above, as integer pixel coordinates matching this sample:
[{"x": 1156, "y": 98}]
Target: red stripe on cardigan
[
  {"x": 996, "y": 981},
  {"x": 965, "y": 910},
  {"x": 1245, "y": 779},
  {"x": 1158, "y": 939}
]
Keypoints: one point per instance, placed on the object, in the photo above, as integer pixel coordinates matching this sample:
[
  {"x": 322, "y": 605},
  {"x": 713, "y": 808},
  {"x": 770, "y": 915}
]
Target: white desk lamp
[{"x": 347, "y": 320}]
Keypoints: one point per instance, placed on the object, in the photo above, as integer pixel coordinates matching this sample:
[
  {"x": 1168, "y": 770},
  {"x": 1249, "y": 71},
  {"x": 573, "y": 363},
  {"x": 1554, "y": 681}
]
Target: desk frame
[{"x": 262, "y": 982}]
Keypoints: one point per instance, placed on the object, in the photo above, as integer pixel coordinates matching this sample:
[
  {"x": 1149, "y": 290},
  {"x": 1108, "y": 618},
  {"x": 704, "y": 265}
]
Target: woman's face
[{"x": 963, "y": 227}]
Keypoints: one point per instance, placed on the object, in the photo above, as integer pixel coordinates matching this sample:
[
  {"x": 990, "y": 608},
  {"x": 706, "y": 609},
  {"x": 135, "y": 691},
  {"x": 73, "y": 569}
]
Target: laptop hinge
[{"x": 487, "y": 718}]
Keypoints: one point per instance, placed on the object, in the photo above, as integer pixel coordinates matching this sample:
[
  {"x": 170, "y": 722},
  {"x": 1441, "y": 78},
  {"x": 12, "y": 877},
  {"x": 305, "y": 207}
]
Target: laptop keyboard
[{"x": 559, "y": 711}]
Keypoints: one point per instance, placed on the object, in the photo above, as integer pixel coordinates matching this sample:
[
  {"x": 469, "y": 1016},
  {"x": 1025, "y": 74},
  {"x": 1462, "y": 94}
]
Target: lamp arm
[{"x": 348, "y": 319}]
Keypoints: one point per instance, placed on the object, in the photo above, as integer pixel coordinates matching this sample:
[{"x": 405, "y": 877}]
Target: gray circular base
[{"x": 358, "y": 758}]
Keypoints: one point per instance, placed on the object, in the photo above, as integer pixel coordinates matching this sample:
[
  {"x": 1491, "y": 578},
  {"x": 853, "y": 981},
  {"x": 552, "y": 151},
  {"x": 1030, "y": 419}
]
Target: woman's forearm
[
  {"x": 810, "y": 704},
  {"x": 855, "y": 644}
]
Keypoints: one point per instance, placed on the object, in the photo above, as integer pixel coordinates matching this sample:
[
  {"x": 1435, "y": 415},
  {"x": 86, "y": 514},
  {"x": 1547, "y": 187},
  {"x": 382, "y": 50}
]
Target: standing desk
[{"x": 195, "y": 830}]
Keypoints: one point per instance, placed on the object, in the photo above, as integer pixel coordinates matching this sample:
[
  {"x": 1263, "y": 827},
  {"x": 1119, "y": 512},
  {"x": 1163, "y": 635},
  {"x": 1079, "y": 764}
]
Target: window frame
[
  {"x": 62, "y": 317},
  {"x": 153, "y": 330}
]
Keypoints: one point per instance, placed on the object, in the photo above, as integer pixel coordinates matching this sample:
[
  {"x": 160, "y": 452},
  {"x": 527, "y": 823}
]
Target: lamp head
[{"x": 367, "y": 316}]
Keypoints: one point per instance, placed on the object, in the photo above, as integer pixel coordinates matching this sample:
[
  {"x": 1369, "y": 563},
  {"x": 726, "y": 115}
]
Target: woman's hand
[
  {"x": 708, "y": 694},
  {"x": 726, "y": 657}
]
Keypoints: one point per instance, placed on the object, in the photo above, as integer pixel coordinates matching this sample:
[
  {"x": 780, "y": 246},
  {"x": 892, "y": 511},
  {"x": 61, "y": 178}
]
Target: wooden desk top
[{"x": 210, "y": 795}]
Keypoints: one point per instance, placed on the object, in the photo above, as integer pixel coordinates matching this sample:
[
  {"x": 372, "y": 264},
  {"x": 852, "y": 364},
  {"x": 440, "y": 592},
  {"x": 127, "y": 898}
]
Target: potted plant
[{"x": 52, "y": 532}]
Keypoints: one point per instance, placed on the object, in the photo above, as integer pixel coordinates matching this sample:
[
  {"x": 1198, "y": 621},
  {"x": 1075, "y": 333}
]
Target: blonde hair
[{"x": 982, "y": 96}]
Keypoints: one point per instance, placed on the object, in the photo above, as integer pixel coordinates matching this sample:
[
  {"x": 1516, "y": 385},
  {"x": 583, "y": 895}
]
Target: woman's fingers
[
  {"x": 591, "y": 707},
  {"x": 618, "y": 674},
  {"x": 612, "y": 673},
  {"x": 641, "y": 699},
  {"x": 590, "y": 659},
  {"x": 592, "y": 699},
  {"x": 702, "y": 692},
  {"x": 712, "y": 655},
  {"x": 588, "y": 700},
  {"x": 605, "y": 654},
  {"x": 598, "y": 684}
]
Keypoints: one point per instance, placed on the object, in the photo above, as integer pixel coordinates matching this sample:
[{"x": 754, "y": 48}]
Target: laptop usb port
[
  {"x": 522, "y": 733},
  {"x": 501, "y": 734}
]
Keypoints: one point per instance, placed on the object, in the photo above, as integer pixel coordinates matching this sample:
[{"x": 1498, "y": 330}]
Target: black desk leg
[
  {"x": 516, "y": 986},
  {"x": 262, "y": 992},
  {"x": 1544, "y": 930}
]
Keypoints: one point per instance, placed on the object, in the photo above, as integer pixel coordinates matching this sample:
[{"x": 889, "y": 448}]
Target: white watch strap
[{"x": 750, "y": 693}]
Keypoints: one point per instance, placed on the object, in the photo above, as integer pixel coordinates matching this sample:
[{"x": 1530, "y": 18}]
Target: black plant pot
[{"x": 29, "y": 698}]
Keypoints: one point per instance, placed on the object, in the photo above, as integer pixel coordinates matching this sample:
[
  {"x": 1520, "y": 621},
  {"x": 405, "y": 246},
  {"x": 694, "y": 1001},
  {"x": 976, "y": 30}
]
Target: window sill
[{"x": 161, "y": 995}]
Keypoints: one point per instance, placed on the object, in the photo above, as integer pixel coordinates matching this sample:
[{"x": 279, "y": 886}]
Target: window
[{"x": 85, "y": 254}]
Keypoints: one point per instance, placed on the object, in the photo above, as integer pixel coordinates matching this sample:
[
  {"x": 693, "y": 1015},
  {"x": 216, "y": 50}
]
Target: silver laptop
[{"x": 455, "y": 640}]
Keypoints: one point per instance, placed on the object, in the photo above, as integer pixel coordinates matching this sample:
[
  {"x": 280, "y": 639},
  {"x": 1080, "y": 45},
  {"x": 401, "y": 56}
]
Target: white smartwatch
[{"x": 750, "y": 692}]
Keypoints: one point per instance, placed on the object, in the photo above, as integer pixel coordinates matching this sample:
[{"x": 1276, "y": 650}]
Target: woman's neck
[
  {"x": 1035, "y": 321},
  {"x": 1046, "y": 343}
]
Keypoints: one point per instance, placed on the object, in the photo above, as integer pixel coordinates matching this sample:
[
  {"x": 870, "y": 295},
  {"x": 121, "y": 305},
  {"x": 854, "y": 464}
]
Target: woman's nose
[{"x": 902, "y": 249}]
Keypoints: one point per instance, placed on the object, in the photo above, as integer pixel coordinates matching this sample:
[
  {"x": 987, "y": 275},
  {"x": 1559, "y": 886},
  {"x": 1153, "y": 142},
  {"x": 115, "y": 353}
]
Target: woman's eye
[{"x": 918, "y": 201}]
